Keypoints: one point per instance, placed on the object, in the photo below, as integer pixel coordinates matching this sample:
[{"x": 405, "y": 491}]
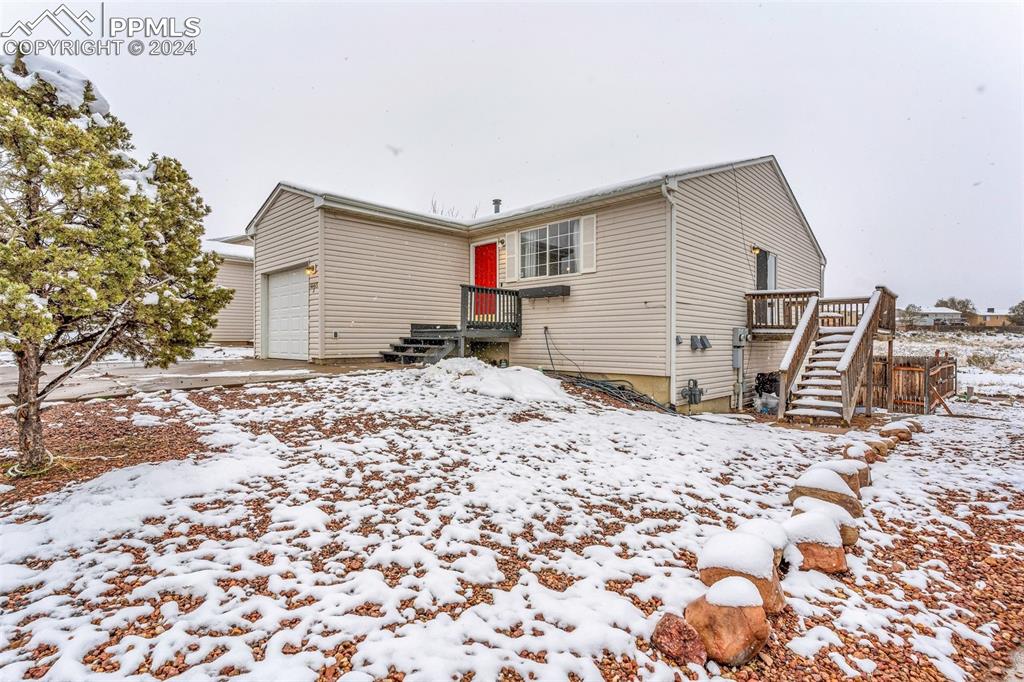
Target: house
[
  {"x": 235, "y": 322},
  {"x": 937, "y": 316},
  {"x": 653, "y": 281},
  {"x": 992, "y": 317}
]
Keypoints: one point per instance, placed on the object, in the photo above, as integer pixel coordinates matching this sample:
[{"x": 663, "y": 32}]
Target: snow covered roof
[
  {"x": 236, "y": 251},
  {"x": 322, "y": 198},
  {"x": 938, "y": 310},
  {"x": 993, "y": 311}
]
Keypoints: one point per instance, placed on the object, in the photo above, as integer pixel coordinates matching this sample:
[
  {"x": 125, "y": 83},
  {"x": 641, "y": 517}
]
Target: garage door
[{"x": 288, "y": 315}]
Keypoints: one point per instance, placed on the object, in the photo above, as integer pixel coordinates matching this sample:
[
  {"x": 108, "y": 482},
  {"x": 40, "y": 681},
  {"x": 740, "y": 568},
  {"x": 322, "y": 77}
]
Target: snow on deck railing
[
  {"x": 798, "y": 334},
  {"x": 780, "y": 292},
  {"x": 858, "y": 333}
]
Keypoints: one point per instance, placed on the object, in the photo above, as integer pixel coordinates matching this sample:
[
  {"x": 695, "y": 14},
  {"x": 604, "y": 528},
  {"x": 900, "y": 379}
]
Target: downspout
[{"x": 671, "y": 297}]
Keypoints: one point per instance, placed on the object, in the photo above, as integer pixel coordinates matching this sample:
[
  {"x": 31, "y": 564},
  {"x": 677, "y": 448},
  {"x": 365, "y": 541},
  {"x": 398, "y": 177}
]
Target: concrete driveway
[{"x": 112, "y": 379}]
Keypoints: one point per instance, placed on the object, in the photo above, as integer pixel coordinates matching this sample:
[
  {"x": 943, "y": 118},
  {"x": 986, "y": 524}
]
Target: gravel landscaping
[{"x": 463, "y": 522}]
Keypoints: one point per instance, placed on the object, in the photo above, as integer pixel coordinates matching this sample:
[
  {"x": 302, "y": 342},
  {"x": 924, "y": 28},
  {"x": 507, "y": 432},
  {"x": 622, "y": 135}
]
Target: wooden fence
[{"x": 919, "y": 381}]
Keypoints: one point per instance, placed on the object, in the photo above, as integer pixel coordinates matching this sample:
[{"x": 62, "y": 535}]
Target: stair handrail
[
  {"x": 857, "y": 355},
  {"x": 799, "y": 345}
]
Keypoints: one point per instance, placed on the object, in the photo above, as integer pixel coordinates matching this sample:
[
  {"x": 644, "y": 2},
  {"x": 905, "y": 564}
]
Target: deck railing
[
  {"x": 488, "y": 311},
  {"x": 777, "y": 310}
]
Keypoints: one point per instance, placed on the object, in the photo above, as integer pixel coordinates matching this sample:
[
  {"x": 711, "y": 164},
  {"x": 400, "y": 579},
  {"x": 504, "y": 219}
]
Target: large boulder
[
  {"x": 848, "y": 530},
  {"x": 747, "y": 556},
  {"x": 864, "y": 452},
  {"x": 898, "y": 429},
  {"x": 854, "y": 472},
  {"x": 771, "y": 532},
  {"x": 730, "y": 620},
  {"x": 817, "y": 537},
  {"x": 829, "y": 486},
  {"x": 880, "y": 446},
  {"x": 675, "y": 638}
]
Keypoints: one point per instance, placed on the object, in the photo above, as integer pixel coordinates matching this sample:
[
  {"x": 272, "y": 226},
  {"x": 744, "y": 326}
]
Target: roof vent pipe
[{"x": 497, "y": 205}]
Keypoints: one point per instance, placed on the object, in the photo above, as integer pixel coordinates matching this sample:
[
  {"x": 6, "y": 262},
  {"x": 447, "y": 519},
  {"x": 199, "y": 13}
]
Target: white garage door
[{"x": 288, "y": 315}]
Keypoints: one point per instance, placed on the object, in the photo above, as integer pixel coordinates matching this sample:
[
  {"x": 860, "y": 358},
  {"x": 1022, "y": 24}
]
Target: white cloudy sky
[{"x": 899, "y": 126}]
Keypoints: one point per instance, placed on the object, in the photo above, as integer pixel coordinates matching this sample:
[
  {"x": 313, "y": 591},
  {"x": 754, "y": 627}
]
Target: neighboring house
[
  {"x": 992, "y": 317},
  {"x": 235, "y": 320},
  {"x": 939, "y": 317},
  {"x": 620, "y": 282}
]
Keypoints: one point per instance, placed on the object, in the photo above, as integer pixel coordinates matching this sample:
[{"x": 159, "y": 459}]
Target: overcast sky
[{"x": 898, "y": 126}]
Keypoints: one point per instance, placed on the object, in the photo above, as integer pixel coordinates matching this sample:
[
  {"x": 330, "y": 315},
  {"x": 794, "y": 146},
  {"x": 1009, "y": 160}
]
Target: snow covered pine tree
[{"x": 98, "y": 253}]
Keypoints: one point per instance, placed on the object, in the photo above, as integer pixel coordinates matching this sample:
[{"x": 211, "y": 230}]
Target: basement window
[{"x": 550, "y": 250}]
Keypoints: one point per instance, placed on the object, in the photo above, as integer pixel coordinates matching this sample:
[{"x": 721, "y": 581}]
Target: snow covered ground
[
  {"x": 202, "y": 354},
  {"x": 991, "y": 362},
  {"x": 460, "y": 519}
]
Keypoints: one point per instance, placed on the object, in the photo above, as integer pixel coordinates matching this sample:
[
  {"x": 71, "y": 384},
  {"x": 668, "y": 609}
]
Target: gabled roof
[{"x": 621, "y": 189}]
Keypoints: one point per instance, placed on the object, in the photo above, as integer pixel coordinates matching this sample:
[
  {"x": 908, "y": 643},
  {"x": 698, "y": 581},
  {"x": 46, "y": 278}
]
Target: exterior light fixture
[
  {"x": 755, "y": 249},
  {"x": 311, "y": 269}
]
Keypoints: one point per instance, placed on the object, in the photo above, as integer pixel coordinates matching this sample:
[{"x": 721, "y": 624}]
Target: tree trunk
[{"x": 31, "y": 452}]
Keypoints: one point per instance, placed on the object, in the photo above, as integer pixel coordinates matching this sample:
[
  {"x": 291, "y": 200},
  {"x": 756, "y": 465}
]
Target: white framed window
[{"x": 550, "y": 250}]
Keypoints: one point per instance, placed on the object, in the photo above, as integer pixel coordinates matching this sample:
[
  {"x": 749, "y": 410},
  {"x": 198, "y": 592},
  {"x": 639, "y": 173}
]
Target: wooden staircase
[
  {"x": 426, "y": 344},
  {"x": 830, "y": 356}
]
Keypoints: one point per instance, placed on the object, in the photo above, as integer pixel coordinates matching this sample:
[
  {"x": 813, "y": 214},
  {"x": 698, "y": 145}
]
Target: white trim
[
  {"x": 579, "y": 248},
  {"x": 472, "y": 260}
]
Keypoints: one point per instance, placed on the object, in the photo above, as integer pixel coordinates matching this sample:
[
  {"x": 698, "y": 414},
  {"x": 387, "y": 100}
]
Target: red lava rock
[
  {"x": 732, "y": 635},
  {"x": 677, "y": 639},
  {"x": 819, "y": 557}
]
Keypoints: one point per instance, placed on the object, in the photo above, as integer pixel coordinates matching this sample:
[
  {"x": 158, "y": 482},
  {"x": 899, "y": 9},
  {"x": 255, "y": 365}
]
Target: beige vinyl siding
[
  {"x": 379, "y": 278},
  {"x": 287, "y": 236},
  {"x": 715, "y": 266},
  {"x": 614, "y": 320},
  {"x": 235, "y": 320}
]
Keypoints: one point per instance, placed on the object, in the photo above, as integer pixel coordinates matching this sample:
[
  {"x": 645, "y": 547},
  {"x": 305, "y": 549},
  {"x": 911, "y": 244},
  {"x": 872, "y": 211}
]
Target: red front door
[{"x": 485, "y": 274}]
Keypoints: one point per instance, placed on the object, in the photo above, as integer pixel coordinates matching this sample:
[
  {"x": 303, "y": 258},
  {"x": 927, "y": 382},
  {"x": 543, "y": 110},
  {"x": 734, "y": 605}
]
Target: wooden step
[
  {"x": 819, "y": 382},
  {"x": 819, "y": 346},
  {"x": 424, "y": 341},
  {"x": 818, "y": 403},
  {"x": 818, "y": 391},
  {"x": 828, "y": 337},
  {"x": 823, "y": 354},
  {"x": 813, "y": 412},
  {"x": 823, "y": 364},
  {"x": 825, "y": 330},
  {"x": 827, "y": 373}
]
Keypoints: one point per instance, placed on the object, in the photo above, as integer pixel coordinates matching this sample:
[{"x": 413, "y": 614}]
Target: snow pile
[
  {"x": 839, "y": 516},
  {"x": 734, "y": 591},
  {"x": 738, "y": 552},
  {"x": 814, "y": 527},
  {"x": 520, "y": 384},
  {"x": 770, "y": 531},
  {"x": 824, "y": 479}
]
